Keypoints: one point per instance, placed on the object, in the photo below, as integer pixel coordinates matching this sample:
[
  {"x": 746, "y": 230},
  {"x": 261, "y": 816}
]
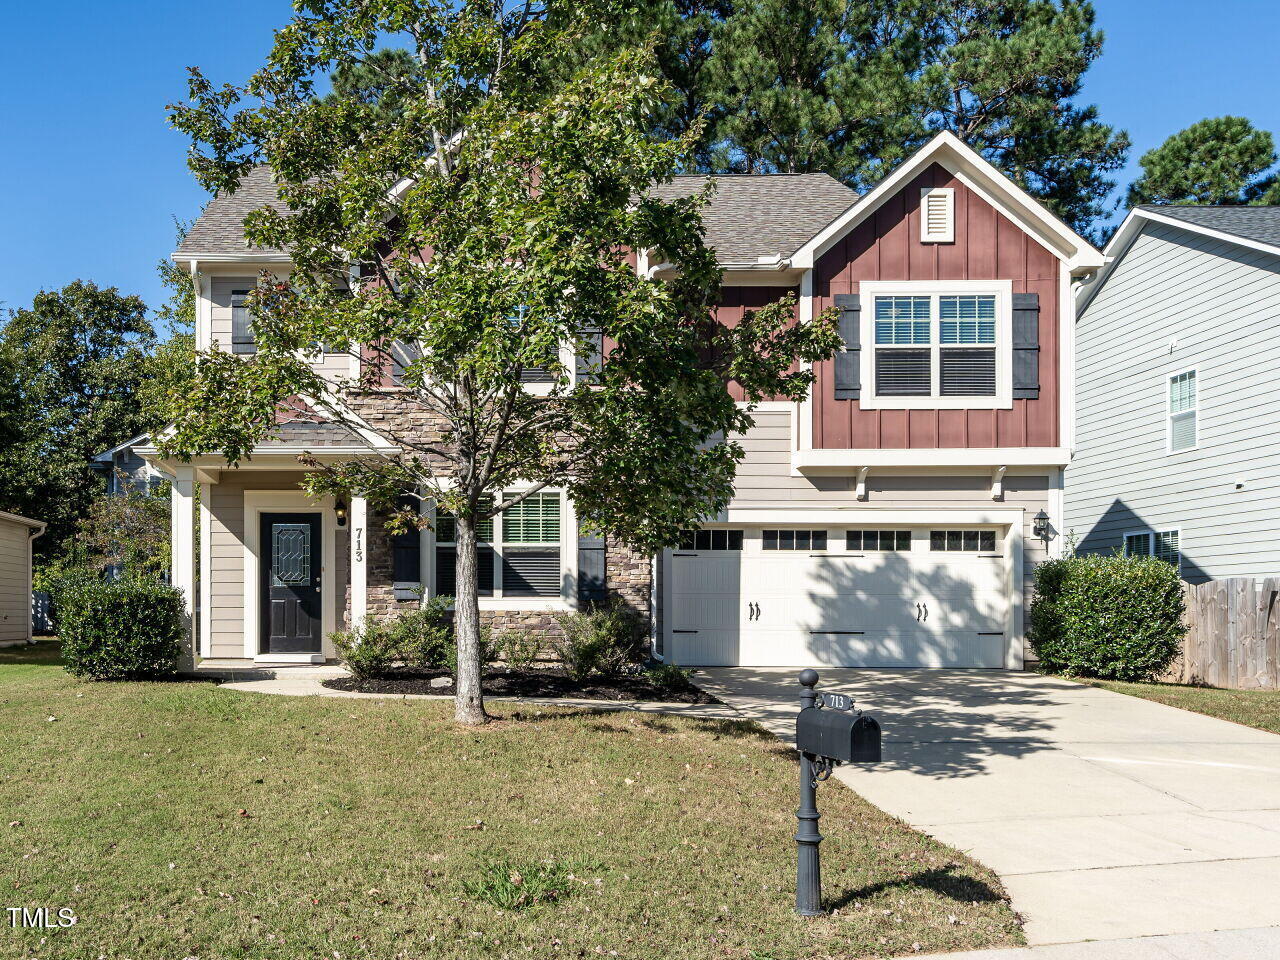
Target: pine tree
[{"x": 1220, "y": 160}]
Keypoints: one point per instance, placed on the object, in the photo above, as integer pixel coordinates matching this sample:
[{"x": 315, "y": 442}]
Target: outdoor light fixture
[
  {"x": 1040, "y": 526},
  {"x": 340, "y": 510}
]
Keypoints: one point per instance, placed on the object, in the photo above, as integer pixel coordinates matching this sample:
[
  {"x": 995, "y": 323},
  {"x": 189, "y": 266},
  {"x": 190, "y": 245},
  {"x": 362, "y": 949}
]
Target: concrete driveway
[{"x": 1107, "y": 816}]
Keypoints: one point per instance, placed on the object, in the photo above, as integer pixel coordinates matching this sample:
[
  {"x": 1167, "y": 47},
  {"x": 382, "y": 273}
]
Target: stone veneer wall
[{"x": 628, "y": 574}]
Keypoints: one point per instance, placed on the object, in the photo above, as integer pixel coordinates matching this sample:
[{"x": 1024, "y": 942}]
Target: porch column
[
  {"x": 182, "y": 540},
  {"x": 359, "y": 560}
]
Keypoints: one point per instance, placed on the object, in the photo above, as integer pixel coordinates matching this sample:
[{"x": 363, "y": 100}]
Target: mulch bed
[{"x": 529, "y": 683}]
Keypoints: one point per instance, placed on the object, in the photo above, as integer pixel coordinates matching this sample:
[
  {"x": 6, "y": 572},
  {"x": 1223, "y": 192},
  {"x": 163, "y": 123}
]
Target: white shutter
[{"x": 937, "y": 215}]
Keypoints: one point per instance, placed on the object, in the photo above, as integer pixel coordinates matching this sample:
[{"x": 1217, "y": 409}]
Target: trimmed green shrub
[
  {"x": 669, "y": 678},
  {"x": 128, "y": 629},
  {"x": 424, "y": 637},
  {"x": 1112, "y": 617},
  {"x": 419, "y": 639},
  {"x": 602, "y": 641},
  {"x": 369, "y": 651},
  {"x": 519, "y": 648}
]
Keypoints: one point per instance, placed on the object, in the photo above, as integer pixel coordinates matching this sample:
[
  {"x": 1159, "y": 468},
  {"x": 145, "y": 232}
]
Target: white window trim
[
  {"x": 1168, "y": 412},
  {"x": 1002, "y": 290},
  {"x": 950, "y": 235},
  {"x": 568, "y": 562}
]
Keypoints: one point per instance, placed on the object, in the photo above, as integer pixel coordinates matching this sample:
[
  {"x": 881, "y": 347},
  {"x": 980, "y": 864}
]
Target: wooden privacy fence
[{"x": 1233, "y": 634}]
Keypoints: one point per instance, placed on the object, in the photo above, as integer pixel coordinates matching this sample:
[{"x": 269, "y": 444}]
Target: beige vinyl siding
[
  {"x": 332, "y": 366},
  {"x": 226, "y": 557},
  {"x": 15, "y": 581},
  {"x": 1175, "y": 301},
  {"x": 764, "y": 479}
]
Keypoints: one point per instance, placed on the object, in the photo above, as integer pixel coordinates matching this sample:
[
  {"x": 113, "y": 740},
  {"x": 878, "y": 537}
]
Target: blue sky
[{"x": 93, "y": 177}]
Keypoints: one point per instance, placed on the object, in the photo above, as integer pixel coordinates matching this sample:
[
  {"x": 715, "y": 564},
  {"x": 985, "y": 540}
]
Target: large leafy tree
[
  {"x": 490, "y": 220},
  {"x": 1220, "y": 160},
  {"x": 72, "y": 363}
]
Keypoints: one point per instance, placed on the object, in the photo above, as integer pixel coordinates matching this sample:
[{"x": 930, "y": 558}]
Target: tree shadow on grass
[
  {"x": 656, "y": 723},
  {"x": 943, "y": 880},
  {"x": 46, "y": 653}
]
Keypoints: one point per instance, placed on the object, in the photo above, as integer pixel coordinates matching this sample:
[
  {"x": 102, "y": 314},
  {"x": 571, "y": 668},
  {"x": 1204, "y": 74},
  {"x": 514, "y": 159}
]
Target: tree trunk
[{"x": 469, "y": 701}]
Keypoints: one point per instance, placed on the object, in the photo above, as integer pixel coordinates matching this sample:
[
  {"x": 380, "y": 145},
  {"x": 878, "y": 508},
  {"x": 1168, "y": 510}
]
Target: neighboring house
[
  {"x": 123, "y": 465},
  {"x": 892, "y": 519},
  {"x": 16, "y": 534},
  {"x": 1178, "y": 426}
]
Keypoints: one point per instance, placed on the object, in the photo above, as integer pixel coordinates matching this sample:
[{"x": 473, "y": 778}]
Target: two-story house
[
  {"x": 1177, "y": 447},
  {"x": 892, "y": 519}
]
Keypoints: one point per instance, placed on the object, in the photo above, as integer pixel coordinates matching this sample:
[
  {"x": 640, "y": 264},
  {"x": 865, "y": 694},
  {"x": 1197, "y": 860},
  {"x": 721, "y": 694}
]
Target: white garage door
[{"x": 935, "y": 597}]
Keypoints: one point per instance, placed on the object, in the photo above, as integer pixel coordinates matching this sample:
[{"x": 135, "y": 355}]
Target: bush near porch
[
  {"x": 127, "y": 629},
  {"x": 186, "y": 820},
  {"x": 1111, "y": 617}
]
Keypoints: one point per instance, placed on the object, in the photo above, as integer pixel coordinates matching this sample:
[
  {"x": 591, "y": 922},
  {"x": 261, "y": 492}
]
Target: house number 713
[{"x": 359, "y": 544}]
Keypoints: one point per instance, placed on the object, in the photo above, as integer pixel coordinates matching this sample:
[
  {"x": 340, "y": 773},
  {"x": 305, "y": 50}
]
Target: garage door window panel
[
  {"x": 963, "y": 541},
  {"x": 794, "y": 540},
  {"x": 701, "y": 540},
  {"x": 897, "y": 541}
]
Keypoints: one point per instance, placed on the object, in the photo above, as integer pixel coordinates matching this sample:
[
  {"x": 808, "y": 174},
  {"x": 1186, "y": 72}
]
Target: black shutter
[
  {"x": 588, "y": 361},
  {"x": 848, "y": 369},
  {"x": 591, "y": 570},
  {"x": 241, "y": 324},
  {"x": 1026, "y": 346},
  {"x": 406, "y": 550}
]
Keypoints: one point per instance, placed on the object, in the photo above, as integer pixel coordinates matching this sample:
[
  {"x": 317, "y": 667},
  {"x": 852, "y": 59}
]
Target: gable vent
[{"x": 937, "y": 215}]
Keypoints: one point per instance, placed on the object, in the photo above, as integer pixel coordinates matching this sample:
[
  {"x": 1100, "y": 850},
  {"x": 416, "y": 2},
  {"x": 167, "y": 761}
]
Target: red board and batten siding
[
  {"x": 735, "y": 301},
  {"x": 988, "y": 246}
]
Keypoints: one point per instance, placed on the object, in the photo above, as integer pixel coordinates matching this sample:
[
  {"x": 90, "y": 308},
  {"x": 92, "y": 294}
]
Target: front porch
[{"x": 276, "y": 572}]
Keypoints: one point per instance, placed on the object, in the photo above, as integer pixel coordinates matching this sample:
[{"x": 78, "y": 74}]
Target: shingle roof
[
  {"x": 748, "y": 217},
  {"x": 303, "y": 433},
  {"x": 1261, "y": 224},
  {"x": 751, "y": 216},
  {"x": 220, "y": 228}
]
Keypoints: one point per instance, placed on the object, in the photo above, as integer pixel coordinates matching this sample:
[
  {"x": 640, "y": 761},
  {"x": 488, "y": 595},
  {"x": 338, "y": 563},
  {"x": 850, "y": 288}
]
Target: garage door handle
[
  {"x": 926, "y": 610},
  {"x": 917, "y": 613}
]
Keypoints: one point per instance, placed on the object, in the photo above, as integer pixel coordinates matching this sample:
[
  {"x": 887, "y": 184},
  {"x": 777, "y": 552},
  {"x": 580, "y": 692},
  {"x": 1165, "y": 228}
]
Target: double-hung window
[
  {"x": 937, "y": 344},
  {"x": 518, "y": 553},
  {"x": 241, "y": 323},
  {"x": 1183, "y": 410}
]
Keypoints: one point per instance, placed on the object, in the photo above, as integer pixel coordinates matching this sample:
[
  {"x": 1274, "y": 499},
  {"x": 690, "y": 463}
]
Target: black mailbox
[{"x": 838, "y": 735}]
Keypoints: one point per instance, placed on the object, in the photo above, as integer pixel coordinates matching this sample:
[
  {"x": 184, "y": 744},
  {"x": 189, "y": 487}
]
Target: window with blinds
[
  {"x": 524, "y": 562},
  {"x": 1183, "y": 410},
  {"x": 942, "y": 345},
  {"x": 1164, "y": 545},
  {"x": 937, "y": 215}
]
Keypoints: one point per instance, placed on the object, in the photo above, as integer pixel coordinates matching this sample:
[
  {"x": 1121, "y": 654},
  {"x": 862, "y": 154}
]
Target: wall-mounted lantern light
[
  {"x": 340, "y": 510},
  {"x": 1040, "y": 526}
]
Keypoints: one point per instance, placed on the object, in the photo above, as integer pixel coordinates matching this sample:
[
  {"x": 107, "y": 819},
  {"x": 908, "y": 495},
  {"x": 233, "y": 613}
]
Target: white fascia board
[
  {"x": 951, "y": 152},
  {"x": 246, "y": 257},
  {"x": 844, "y": 461},
  {"x": 25, "y": 521},
  {"x": 1004, "y": 516},
  {"x": 1133, "y": 225},
  {"x": 108, "y": 454}
]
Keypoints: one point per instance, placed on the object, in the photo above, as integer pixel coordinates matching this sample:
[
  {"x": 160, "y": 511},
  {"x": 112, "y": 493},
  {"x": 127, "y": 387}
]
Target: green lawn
[
  {"x": 1253, "y": 708},
  {"x": 182, "y": 820}
]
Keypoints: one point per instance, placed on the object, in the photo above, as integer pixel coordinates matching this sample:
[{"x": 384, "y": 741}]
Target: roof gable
[{"x": 950, "y": 152}]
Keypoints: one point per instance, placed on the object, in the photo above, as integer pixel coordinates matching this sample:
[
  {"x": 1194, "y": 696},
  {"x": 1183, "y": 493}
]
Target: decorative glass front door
[{"x": 291, "y": 594}]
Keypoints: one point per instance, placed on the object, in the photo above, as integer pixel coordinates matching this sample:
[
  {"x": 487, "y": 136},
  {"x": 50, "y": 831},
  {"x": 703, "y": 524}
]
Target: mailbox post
[{"x": 828, "y": 731}]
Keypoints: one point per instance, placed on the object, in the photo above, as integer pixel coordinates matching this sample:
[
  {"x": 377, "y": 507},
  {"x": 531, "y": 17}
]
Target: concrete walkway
[
  {"x": 1107, "y": 816},
  {"x": 1259, "y": 944},
  {"x": 308, "y": 681}
]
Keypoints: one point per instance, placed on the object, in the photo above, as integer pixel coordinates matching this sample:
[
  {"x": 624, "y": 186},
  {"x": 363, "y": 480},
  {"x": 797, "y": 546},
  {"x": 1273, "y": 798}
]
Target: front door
[{"x": 290, "y": 583}]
